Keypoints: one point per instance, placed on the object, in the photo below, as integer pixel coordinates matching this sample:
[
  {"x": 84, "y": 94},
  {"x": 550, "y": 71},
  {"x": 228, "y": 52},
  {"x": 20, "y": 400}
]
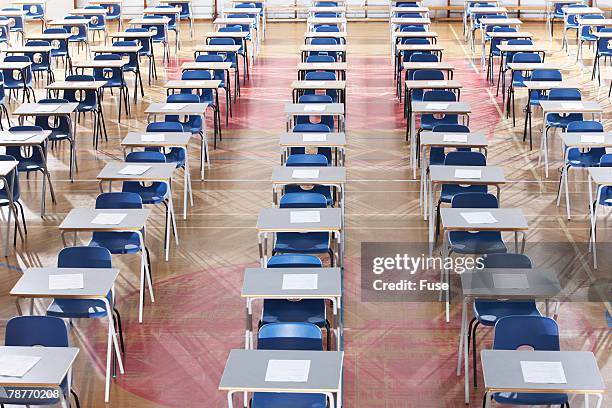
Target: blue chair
[
  {"x": 494, "y": 50},
  {"x": 61, "y": 129},
  {"x": 436, "y": 154},
  {"x": 133, "y": 65},
  {"x": 537, "y": 332},
  {"x": 475, "y": 243},
  {"x": 603, "y": 50},
  {"x": 306, "y": 243},
  {"x": 39, "y": 331},
  {"x": 561, "y": 120},
  {"x": 114, "y": 79},
  {"x": 194, "y": 123},
  {"x": 416, "y": 95},
  {"x": 13, "y": 181},
  {"x": 35, "y": 12},
  {"x": 327, "y": 120},
  {"x": 219, "y": 74},
  {"x": 146, "y": 51},
  {"x": 185, "y": 14},
  {"x": 41, "y": 61},
  {"x": 299, "y": 152},
  {"x": 88, "y": 103},
  {"x": 536, "y": 96},
  {"x": 579, "y": 158},
  {"x": 4, "y": 31},
  {"x": 327, "y": 28},
  {"x": 32, "y": 158},
  {"x": 233, "y": 56},
  {"x": 18, "y": 23},
  {"x": 113, "y": 12},
  {"x": 90, "y": 257},
  {"x": 80, "y": 36},
  {"x": 154, "y": 193},
  {"x": 125, "y": 242},
  {"x": 19, "y": 79},
  {"x": 428, "y": 120},
  {"x": 518, "y": 77},
  {"x": 307, "y": 160},
  {"x": 587, "y": 32},
  {"x": 97, "y": 22},
  {"x": 328, "y": 192},
  {"x": 320, "y": 58},
  {"x": 571, "y": 23},
  {"x": 289, "y": 336},
  {"x": 172, "y": 23},
  {"x": 206, "y": 95},
  {"x": 312, "y": 311},
  {"x": 60, "y": 47},
  {"x": 488, "y": 312},
  {"x": 161, "y": 35},
  {"x": 449, "y": 191}
]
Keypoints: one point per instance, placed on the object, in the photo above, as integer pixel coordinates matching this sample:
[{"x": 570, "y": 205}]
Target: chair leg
[
  {"x": 474, "y": 359},
  {"x": 328, "y": 332},
  {"x": 331, "y": 257},
  {"x": 76, "y": 398},
  {"x": 119, "y": 329}
]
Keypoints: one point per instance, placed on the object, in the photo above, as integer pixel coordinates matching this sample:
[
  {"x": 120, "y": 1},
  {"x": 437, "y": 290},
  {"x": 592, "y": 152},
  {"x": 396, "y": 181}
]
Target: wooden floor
[{"x": 397, "y": 355}]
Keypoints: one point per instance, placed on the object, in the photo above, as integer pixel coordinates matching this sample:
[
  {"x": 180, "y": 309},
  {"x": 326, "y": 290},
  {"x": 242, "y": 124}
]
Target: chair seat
[
  {"x": 488, "y": 312},
  {"x": 529, "y": 398},
  {"x": 116, "y": 242},
  {"x": 588, "y": 37},
  {"x": 287, "y": 311},
  {"x": 286, "y": 400},
  {"x": 77, "y": 308},
  {"x": 154, "y": 194},
  {"x": 302, "y": 243},
  {"x": 590, "y": 158},
  {"x": 482, "y": 242},
  {"x": 57, "y": 135},
  {"x": 28, "y": 165},
  {"x": 307, "y": 159},
  {"x": 86, "y": 107},
  {"x": 606, "y": 196},
  {"x": 450, "y": 190},
  {"x": 559, "y": 121}
]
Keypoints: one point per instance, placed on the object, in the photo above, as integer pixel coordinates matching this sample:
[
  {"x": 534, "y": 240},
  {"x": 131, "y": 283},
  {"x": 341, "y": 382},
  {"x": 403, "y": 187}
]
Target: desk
[
  {"x": 164, "y": 12},
  {"x": 443, "y": 174},
  {"x": 419, "y": 108},
  {"x": 242, "y": 36},
  {"x": 80, "y": 220},
  {"x": 502, "y": 373},
  {"x": 273, "y": 220},
  {"x": 566, "y": 107},
  {"x": 479, "y": 284},
  {"x": 339, "y": 35},
  {"x": 422, "y": 85},
  {"x": 201, "y": 49},
  {"x": 298, "y": 87},
  {"x": 501, "y": 22},
  {"x": 523, "y": 67},
  {"x": 251, "y": 22},
  {"x": 164, "y": 140},
  {"x": 161, "y": 21},
  {"x": 330, "y": 176},
  {"x": 23, "y": 67},
  {"x": 37, "y": 140},
  {"x": 97, "y": 284},
  {"x": 96, "y": 86},
  {"x": 54, "y": 365},
  {"x": 245, "y": 371},
  {"x": 293, "y": 110},
  {"x": 125, "y": 50},
  {"x": 435, "y": 49},
  {"x": 267, "y": 283},
  {"x": 157, "y": 172},
  {"x": 311, "y": 22},
  {"x": 217, "y": 66},
  {"x": 444, "y": 140},
  {"x": 339, "y": 68},
  {"x": 335, "y": 141},
  {"x": 306, "y": 49}
]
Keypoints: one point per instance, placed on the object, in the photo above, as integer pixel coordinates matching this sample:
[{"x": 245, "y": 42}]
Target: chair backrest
[
  {"x": 538, "y": 332},
  {"x": 412, "y": 28},
  {"x": 428, "y": 75},
  {"x": 18, "y": 23},
  {"x": 59, "y": 45},
  {"x": 107, "y": 74},
  {"x": 17, "y": 153},
  {"x": 320, "y": 58},
  {"x": 303, "y": 200},
  {"x": 144, "y": 42},
  {"x": 294, "y": 261},
  {"x": 13, "y": 74},
  {"x": 605, "y": 160},
  {"x": 324, "y": 41},
  {"x": 564, "y": 94},
  {"x": 507, "y": 261},
  {"x": 423, "y": 57},
  {"x": 84, "y": 257},
  {"x": 546, "y": 75},
  {"x": 183, "y": 98},
  {"x": 529, "y": 57},
  {"x": 98, "y": 20},
  {"x": 29, "y": 331},
  {"x": 90, "y": 95},
  {"x": 326, "y": 28},
  {"x": 118, "y": 200},
  {"x": 465, "y": 159},
  {"x": 474, "y": 200},
  {"x": 310, "y": 98},
  {"x": 289, "y": 336},
  {"x": 311, "y": 128},
  {"x": 451, "y": 128},
  {"x": 320, "y": 76},
  {"x": 316, "y": 160},
  {"x": 165, "y": 127},
  {"x": 585, "y": 126},
  {"x": 439, "y": 95},
  {"x": 81, "y": 31},
  {"x": 145, "y": 157}
]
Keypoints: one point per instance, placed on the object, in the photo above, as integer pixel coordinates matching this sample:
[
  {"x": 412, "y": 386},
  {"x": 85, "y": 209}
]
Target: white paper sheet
[
  {"x": 287, "y": 370},
  {"x": 66, "y": 281},
  {"x": 592, "y": 138},
  {"x": 301, "y": 217},
  {"x": 543, "y": 372},
  {"x": 173, "y": 106},
  {"x": 479, "y": 217},
  {"x": 5, "y": 166},
  {"x": 468, "y": 174},
  {"x": 109, "y": 218},
  {"x": 314, "y": 138},
  {"x": 47, "y": 108},
  {"x": 435, "y": 83},
  {"x": 18, "y": 136},
  {"x": 315, "y": 83},
  {"x": 571, "y": 105},
  {"x": 510, "y": 281},
  {"x": 314, "y": 108},
  {"x": 458, "y": 138},
  {"x": 436, "y": 106},
  {"x": 305, "y": 174},
  {"x": 133, "y": 169},
  {"x": 153, "y": 138},
  {"x": 300, "y": 281},
  {"x": 15, "y": 365}
]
